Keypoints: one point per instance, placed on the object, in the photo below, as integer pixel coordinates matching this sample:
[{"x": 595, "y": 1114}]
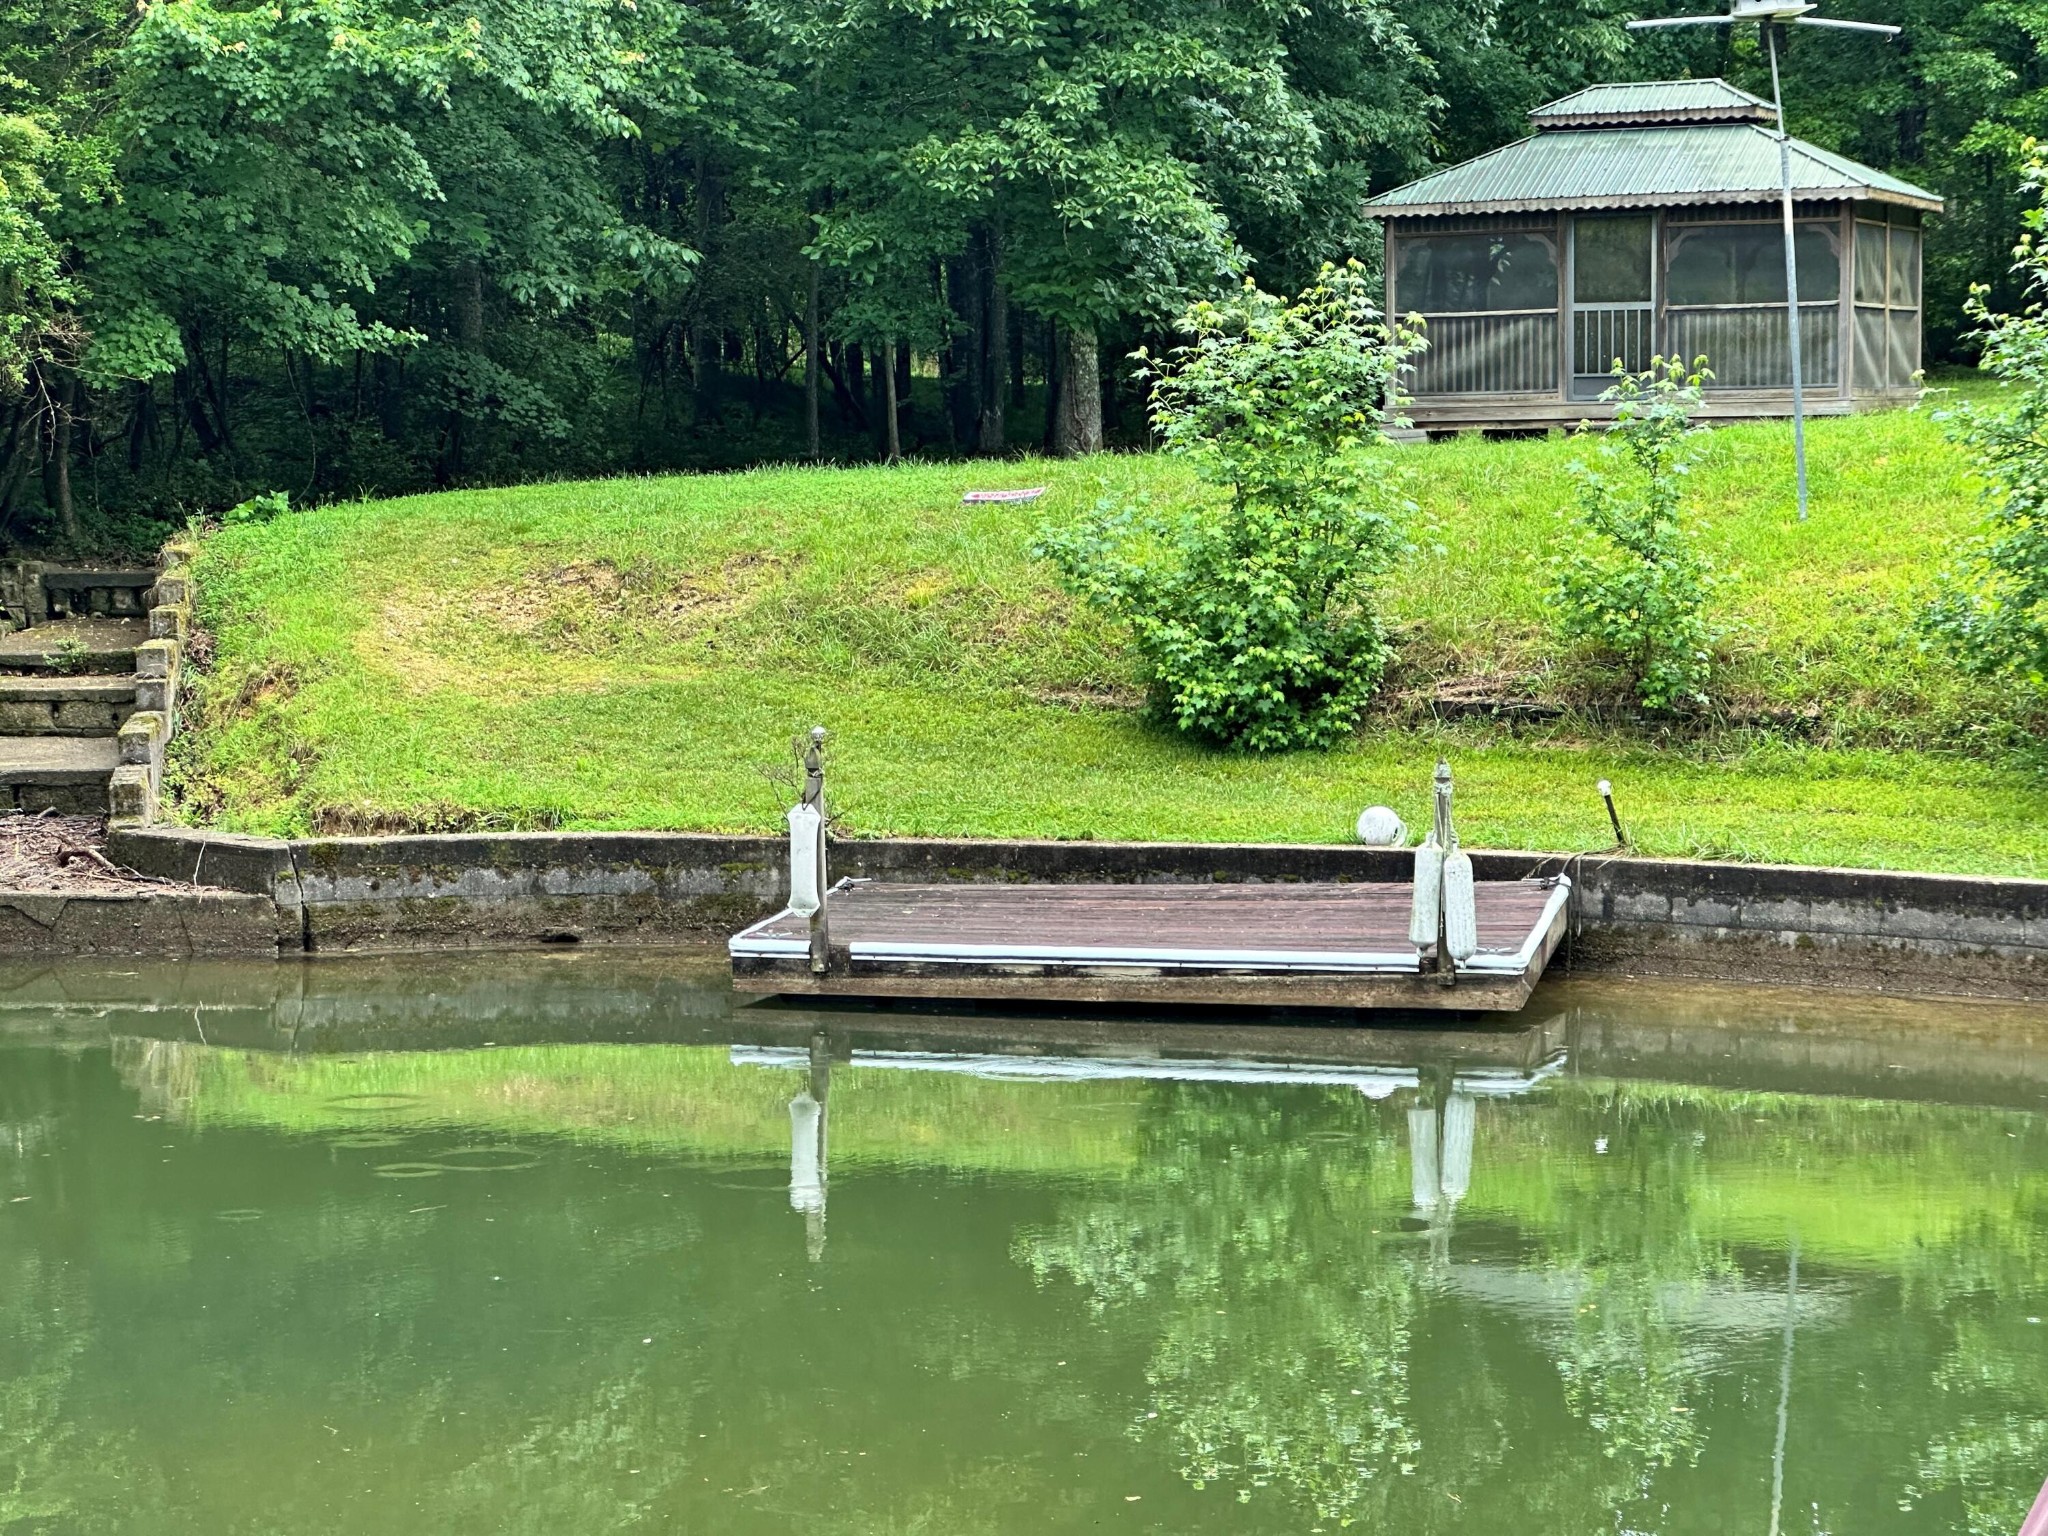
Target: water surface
[{"x": 566, "y": 1245}]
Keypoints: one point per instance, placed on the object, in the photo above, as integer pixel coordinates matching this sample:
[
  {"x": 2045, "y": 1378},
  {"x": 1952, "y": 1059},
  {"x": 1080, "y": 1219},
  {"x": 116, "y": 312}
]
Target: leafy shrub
[
  {"x": 1992, "y": 607},
  {"x": 1627, "y": 578},
  {"x": 1256, "y": 614},
  {"x": 265, "y": 508}
]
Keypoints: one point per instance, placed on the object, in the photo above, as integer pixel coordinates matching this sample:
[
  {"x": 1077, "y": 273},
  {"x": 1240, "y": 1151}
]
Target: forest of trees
[{"x": 329, "y": 247}]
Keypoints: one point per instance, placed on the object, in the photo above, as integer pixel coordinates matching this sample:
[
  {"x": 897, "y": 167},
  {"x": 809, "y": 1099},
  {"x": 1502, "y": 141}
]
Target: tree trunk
[
  {"x": 468, "y": 317},
  {"x": 995, "y": 352},
  {"x": 202, "y": 391},
  {"x": 879, "y": 413},
  {"x": 469, "y": 306},
  {"x": 58, "y": 478},
  {"x": 963, "y": 365},
  {"x": 1049, "y": 362},
  {"x": 1078, "y": 424},
  {"x": 842, "y": 367},
  {"x": 703, "y": 341},
  {"x": 889, "y": 386},
  {"x": 900, "y": 410},
  {"x": 141, "y": 426},
  {"x": 388, "y": 374},
  {"x": 811, "y": 443}
]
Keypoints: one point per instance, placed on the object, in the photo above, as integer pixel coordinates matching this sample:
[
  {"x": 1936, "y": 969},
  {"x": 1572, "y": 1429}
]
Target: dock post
[
  {"x": 814, "y": 797},
  {"x": 1446, "y": 972}
]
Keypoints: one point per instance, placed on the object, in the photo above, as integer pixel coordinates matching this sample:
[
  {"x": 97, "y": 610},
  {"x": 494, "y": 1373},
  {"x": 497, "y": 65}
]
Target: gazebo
[{"x": 1645, "y": 219}]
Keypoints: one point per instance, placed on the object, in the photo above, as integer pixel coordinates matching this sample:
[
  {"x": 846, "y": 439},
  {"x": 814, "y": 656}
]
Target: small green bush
[
  {"x": 1991, "y": 609},
  {"x": 1627, "y": 578},
  {"x": 1255, "y": 615},
  {"x": 264, "y": 508}
]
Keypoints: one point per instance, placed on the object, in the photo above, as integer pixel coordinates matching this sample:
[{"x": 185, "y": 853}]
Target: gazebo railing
[
  {"x": 1605, "y": 333},
  {"x": 1495, "y": 352},
  {"x": 1507, "y": 352},
  {"x": 1744, "y": 345}
]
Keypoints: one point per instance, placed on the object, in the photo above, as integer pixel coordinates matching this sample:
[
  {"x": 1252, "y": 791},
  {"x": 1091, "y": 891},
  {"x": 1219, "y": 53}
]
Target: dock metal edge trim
[
  {"x": 753, "y": 944},
  {"x": 1560, "y": 893}
]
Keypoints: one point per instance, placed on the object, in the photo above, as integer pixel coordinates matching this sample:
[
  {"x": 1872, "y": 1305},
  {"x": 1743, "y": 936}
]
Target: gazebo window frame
[
  {"x": 1618, "y": 316},
  {"x": 1820, "y": 328},
  {"x": 1524, "y": 360}
]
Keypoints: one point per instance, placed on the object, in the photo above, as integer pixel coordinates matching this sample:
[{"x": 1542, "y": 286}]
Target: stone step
[
  {"x": 56, "y": 704},
  {"x": 80, "y": 593},
  {"x": 74, "y": 647},
  {"x": 61, "y": 773}
]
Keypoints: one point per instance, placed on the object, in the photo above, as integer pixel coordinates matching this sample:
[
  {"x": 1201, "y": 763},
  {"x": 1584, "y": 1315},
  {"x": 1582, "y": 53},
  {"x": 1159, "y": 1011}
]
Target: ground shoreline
[{"x": 225, "y": 893}]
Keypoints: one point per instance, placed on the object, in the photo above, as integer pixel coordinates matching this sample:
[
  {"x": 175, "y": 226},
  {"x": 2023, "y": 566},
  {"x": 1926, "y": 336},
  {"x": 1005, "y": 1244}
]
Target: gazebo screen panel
[
  {"x": 1725, "y": 300},
  {"x": 1887, "y": 299},
  {"x": 1490, "y": 300}
]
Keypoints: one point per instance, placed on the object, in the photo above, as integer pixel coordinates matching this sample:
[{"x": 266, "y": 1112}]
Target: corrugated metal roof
[
  {"x": 1643, "y": 168},
  {"x": 1639, "y": 103}
]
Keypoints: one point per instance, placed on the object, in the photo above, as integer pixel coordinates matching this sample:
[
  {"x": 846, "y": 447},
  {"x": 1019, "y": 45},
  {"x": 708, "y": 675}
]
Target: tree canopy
[{"x": 335, "y": 246}]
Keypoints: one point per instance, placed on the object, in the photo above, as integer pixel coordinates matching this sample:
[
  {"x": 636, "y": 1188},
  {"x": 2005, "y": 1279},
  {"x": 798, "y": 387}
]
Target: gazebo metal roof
[
  {"x": 1646, "y": 145},
  {"x": 1644, "y": 103}
]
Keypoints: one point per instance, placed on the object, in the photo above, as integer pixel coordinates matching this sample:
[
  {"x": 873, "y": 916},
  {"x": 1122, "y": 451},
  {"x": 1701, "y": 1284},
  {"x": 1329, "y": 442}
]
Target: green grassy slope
[{"x": 633, "y": 652}]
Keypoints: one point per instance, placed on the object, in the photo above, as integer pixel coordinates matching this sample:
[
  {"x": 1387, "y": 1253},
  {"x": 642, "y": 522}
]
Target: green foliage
[
  {"x": 534, "y": 242},
  {"x": 672, "y": 630},
  {"x": 1629, "y": 578},
  {"x": 1992, "y": 610},
  {"x": 32, "y": 281},
  {"x": 1257, "y": 617},
  {"x": 258, "y": 509}
]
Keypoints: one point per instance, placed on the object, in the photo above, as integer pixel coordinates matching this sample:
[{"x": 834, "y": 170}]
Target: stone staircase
[{"x": 87, "y": 687}]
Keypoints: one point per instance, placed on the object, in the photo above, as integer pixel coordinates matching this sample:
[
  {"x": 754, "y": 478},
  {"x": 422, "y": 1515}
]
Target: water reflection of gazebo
[{"x": 1643, "y": 219}]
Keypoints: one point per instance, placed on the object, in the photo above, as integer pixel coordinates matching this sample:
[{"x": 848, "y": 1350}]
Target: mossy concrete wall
[
  {"x": 1868, "y": 930},
  {"x": 139, "y": 922}
]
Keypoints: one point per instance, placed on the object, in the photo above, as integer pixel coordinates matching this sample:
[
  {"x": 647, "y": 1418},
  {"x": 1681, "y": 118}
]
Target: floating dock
[{"x": 1253, "y": 945}]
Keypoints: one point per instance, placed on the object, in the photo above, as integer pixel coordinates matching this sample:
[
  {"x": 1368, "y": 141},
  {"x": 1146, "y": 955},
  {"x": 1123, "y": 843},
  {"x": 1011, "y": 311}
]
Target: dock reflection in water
[
  {"x": 510, "y": 1245},
  {"x": 1439, "y": 1138}
]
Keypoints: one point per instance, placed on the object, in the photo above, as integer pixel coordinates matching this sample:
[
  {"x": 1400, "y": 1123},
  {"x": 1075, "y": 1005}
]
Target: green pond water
[{"x": 574, "y": 1246}]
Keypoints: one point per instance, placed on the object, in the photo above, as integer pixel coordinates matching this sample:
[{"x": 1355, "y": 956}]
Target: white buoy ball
[{"x": 1379, "y": 827}]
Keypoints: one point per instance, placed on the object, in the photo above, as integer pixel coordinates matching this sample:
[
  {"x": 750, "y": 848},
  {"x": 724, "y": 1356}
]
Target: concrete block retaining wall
[
  {"x": 145, "y": 734},
  {"x": 1865, "y": 930}
]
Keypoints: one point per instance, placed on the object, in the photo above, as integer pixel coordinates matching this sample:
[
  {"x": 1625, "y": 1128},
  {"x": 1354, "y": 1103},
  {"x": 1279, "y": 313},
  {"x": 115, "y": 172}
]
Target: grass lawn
[{"x": 634, "y": 653}]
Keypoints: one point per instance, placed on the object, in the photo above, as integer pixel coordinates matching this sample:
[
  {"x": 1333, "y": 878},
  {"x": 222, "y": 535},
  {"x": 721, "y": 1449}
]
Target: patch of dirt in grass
[
  {"x": 380, "y": 821},
  {"x": 697, "y": 601},
  {"x": 593, "y": 604},
  {"x": 568, "y": 600},
  {"x": 258, "y": 689},
  {"x": 1091, "y": 696},
  {"x": 544, "y": 631}
]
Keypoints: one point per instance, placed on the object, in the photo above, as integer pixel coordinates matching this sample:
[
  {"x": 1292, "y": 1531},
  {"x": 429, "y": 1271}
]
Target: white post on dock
[
  {"x": 1446, "y": 970},
  {"x": 814, "y": 797}
]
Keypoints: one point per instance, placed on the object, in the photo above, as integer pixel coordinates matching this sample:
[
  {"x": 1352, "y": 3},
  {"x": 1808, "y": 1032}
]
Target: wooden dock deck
[{"x": 1320, "y": 946}]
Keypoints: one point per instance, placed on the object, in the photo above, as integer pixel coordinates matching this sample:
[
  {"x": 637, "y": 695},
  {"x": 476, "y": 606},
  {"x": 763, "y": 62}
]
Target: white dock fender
[
  {"x": 804, "y": 898},
  {"x": 1461, "y": 914},
  {"x": 1429, "y": 878}
]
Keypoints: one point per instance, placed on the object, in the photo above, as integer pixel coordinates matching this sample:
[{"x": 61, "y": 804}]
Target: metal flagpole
[
  {"x": 1791, "y": 272},
  {"x": 1785, "y": 1385},
  {"x": 1772, "y": 14}
]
